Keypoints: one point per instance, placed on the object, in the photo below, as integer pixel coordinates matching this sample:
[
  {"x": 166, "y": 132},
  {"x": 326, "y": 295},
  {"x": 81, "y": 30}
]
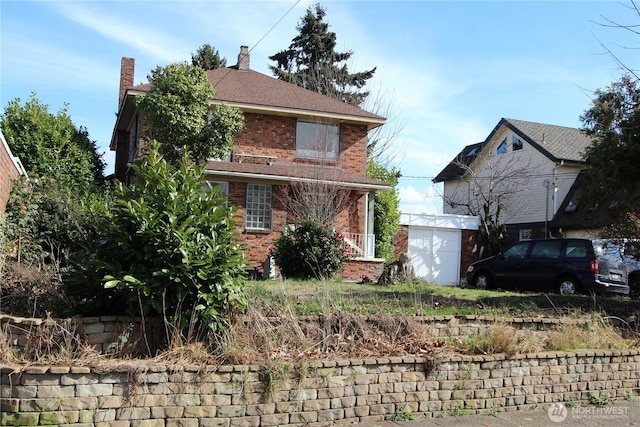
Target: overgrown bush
[
  {"x": 310, "y": 250},
  {"x": 45, "y": 221},
  {"x": 168, "y": 247}
]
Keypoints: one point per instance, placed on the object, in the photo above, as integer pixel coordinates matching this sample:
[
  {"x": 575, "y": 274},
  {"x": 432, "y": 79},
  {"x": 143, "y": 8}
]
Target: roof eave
[
  {"x": 127, "y": 109},
  {"x": 290, "y": 179}
]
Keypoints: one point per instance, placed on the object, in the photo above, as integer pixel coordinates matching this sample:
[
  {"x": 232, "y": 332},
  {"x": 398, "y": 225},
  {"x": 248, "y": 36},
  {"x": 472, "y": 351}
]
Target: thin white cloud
[
  {"x": 419, "y": 201},
  {"x": 42, "y": 64},
  {"x": 124, "y": 29}
]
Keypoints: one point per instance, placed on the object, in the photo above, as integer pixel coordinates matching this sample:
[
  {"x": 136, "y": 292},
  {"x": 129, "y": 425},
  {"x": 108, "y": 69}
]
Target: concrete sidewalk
[{"x": 619, "y": 413}]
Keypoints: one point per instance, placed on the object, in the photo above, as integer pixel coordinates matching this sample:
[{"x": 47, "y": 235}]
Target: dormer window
[
  {"x": 502, "y": 148},
  {"x": 317, "y": 141}
]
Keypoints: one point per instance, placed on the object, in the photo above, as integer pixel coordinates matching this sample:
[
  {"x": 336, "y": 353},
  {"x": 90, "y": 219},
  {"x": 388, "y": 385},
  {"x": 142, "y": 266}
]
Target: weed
[
  {"x": 630, "y": 397},
  {"x": 571, "y": 404},
  {"x": 404, "y": 415},
  {"x": 458, "y": 411},
  {"x": 599, "y": 400}
]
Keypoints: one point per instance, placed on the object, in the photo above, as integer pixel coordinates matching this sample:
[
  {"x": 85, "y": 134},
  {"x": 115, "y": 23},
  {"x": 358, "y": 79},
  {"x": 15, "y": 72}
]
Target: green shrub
[
  {"x": 311, "y": 250},
  {"x": 168, "y": 247},
  {"x": 45, "y": 221}
]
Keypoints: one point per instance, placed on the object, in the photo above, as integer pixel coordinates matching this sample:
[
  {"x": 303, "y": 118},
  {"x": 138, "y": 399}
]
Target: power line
[
  {"x": 563, "y": 175},
  {"x": 260, "y": 40}
]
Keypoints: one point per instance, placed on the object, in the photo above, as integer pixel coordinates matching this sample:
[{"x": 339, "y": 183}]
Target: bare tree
[
  {"x": 319, "y": 199},
  {"x": 492, "y": 190},
  {"x": 315, "y": 192},
  {"x": 632, "y": 28}
]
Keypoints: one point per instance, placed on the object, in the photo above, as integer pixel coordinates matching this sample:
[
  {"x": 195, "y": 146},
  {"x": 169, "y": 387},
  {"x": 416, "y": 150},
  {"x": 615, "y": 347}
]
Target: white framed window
[
  {"x": 317, "y": 141},
  {"x": 222, "y": 186},
  {"x": 258, "y": 216},
  {"x": 525, "y": 234}
]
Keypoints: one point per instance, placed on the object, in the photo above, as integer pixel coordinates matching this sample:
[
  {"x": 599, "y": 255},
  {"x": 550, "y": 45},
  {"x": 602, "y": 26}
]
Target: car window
[
  {"x": 546, "y": 249},
  {"x": 519, "y": 250},
  {"x": 576, "y": 249}
]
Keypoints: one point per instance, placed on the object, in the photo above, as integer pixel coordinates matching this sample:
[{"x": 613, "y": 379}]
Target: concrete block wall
[{"x": 325, "y": 393}]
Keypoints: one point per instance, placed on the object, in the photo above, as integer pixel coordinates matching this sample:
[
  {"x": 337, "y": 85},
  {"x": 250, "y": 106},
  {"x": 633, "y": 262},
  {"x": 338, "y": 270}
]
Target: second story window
[{"x": 317, "y": 141}]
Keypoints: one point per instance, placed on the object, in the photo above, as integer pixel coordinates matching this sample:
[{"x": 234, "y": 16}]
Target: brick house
[
  {"x": 10, "y": 168},
  {"x": 276, "y": 149},
  {"x": 541, "y": 164}
]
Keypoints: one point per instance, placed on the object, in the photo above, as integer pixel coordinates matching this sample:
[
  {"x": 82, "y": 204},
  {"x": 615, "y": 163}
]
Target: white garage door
[{"x": 435, "y": 254}]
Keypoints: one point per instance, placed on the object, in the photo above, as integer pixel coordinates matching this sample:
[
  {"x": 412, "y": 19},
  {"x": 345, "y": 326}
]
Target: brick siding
[{"x": 8, "y": 173}]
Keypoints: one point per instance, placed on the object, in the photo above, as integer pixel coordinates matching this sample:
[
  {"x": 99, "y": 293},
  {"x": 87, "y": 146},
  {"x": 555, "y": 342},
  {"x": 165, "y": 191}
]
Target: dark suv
[{"x": 566, "y": 266}]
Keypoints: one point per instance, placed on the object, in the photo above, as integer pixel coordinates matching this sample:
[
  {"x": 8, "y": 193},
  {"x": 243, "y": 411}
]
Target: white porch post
[{"x": 369, "y": 244}]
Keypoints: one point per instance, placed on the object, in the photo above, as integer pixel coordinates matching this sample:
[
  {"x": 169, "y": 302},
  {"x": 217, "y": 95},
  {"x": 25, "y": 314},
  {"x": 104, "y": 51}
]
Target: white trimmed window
[
  {"x": 525, "y": 234},
  {"x": 222, "y": 186},
  {"x": 317, "y": 141},
  {"x": 258, "y": 215}
]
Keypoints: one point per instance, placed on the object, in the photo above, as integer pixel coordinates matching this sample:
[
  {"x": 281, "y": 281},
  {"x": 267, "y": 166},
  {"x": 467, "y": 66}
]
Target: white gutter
[
  {"x": 14, "y": 160},
  {"x": 297, "y": 112},
  {"x": 279, "y": 178}
]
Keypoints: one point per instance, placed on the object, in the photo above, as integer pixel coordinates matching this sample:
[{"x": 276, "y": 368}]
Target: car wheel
[
  {"x": 482, "y": 280},
  {"x": 567, "y": 286}
]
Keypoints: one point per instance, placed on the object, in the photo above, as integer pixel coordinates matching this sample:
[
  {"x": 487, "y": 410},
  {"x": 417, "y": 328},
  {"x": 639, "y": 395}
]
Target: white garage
[{"x": 434, "y": 244}]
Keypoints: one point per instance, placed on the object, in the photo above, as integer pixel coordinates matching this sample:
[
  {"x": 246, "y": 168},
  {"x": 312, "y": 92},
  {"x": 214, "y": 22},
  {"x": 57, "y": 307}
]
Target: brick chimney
[
  {"x": 127, "y": 66},
  {"x": 244, "y": 60}
]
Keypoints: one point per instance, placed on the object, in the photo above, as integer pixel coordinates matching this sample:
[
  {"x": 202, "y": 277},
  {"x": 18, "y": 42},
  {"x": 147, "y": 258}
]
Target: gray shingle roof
[{"x": 556, "y": 142}]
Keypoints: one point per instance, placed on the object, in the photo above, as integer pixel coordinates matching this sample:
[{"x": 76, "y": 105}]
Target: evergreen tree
[
  {"x": 386, "y": 216},
  {"x": 312, "y": 62},
  {"x": 207, "y": 57},
  {"x": 614, "y": 123}
]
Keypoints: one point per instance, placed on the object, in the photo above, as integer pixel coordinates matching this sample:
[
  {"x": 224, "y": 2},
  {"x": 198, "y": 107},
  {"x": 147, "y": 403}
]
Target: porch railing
[{"x": 360, "y": 245}]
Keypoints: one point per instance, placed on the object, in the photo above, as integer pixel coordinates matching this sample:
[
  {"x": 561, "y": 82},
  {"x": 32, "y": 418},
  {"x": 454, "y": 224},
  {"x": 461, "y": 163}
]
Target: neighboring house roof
[
  {"x": 287, "y": 172},
  {"x": 558, "y": 143},
  {"x": 575, "y": 213},
  {"x": 458, "y": 166}
]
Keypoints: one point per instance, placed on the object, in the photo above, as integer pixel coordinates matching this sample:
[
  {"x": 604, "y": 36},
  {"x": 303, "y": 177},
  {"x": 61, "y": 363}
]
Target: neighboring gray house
[{"x": 531, "y": 167}]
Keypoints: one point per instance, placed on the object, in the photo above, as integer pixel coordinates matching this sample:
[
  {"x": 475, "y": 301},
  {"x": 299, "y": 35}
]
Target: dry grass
[
  {"x": 596, "y": 334},
  {"x": 275, "y": 333},
  {"x": 259, "y": 339}
]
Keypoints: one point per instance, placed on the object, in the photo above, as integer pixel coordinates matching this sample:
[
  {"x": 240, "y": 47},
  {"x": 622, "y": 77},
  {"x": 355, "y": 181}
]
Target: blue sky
[{"x": 447, "y": 70}]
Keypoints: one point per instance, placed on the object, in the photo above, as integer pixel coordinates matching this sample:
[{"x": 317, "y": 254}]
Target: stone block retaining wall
[{"x": 325, "y": 393}]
